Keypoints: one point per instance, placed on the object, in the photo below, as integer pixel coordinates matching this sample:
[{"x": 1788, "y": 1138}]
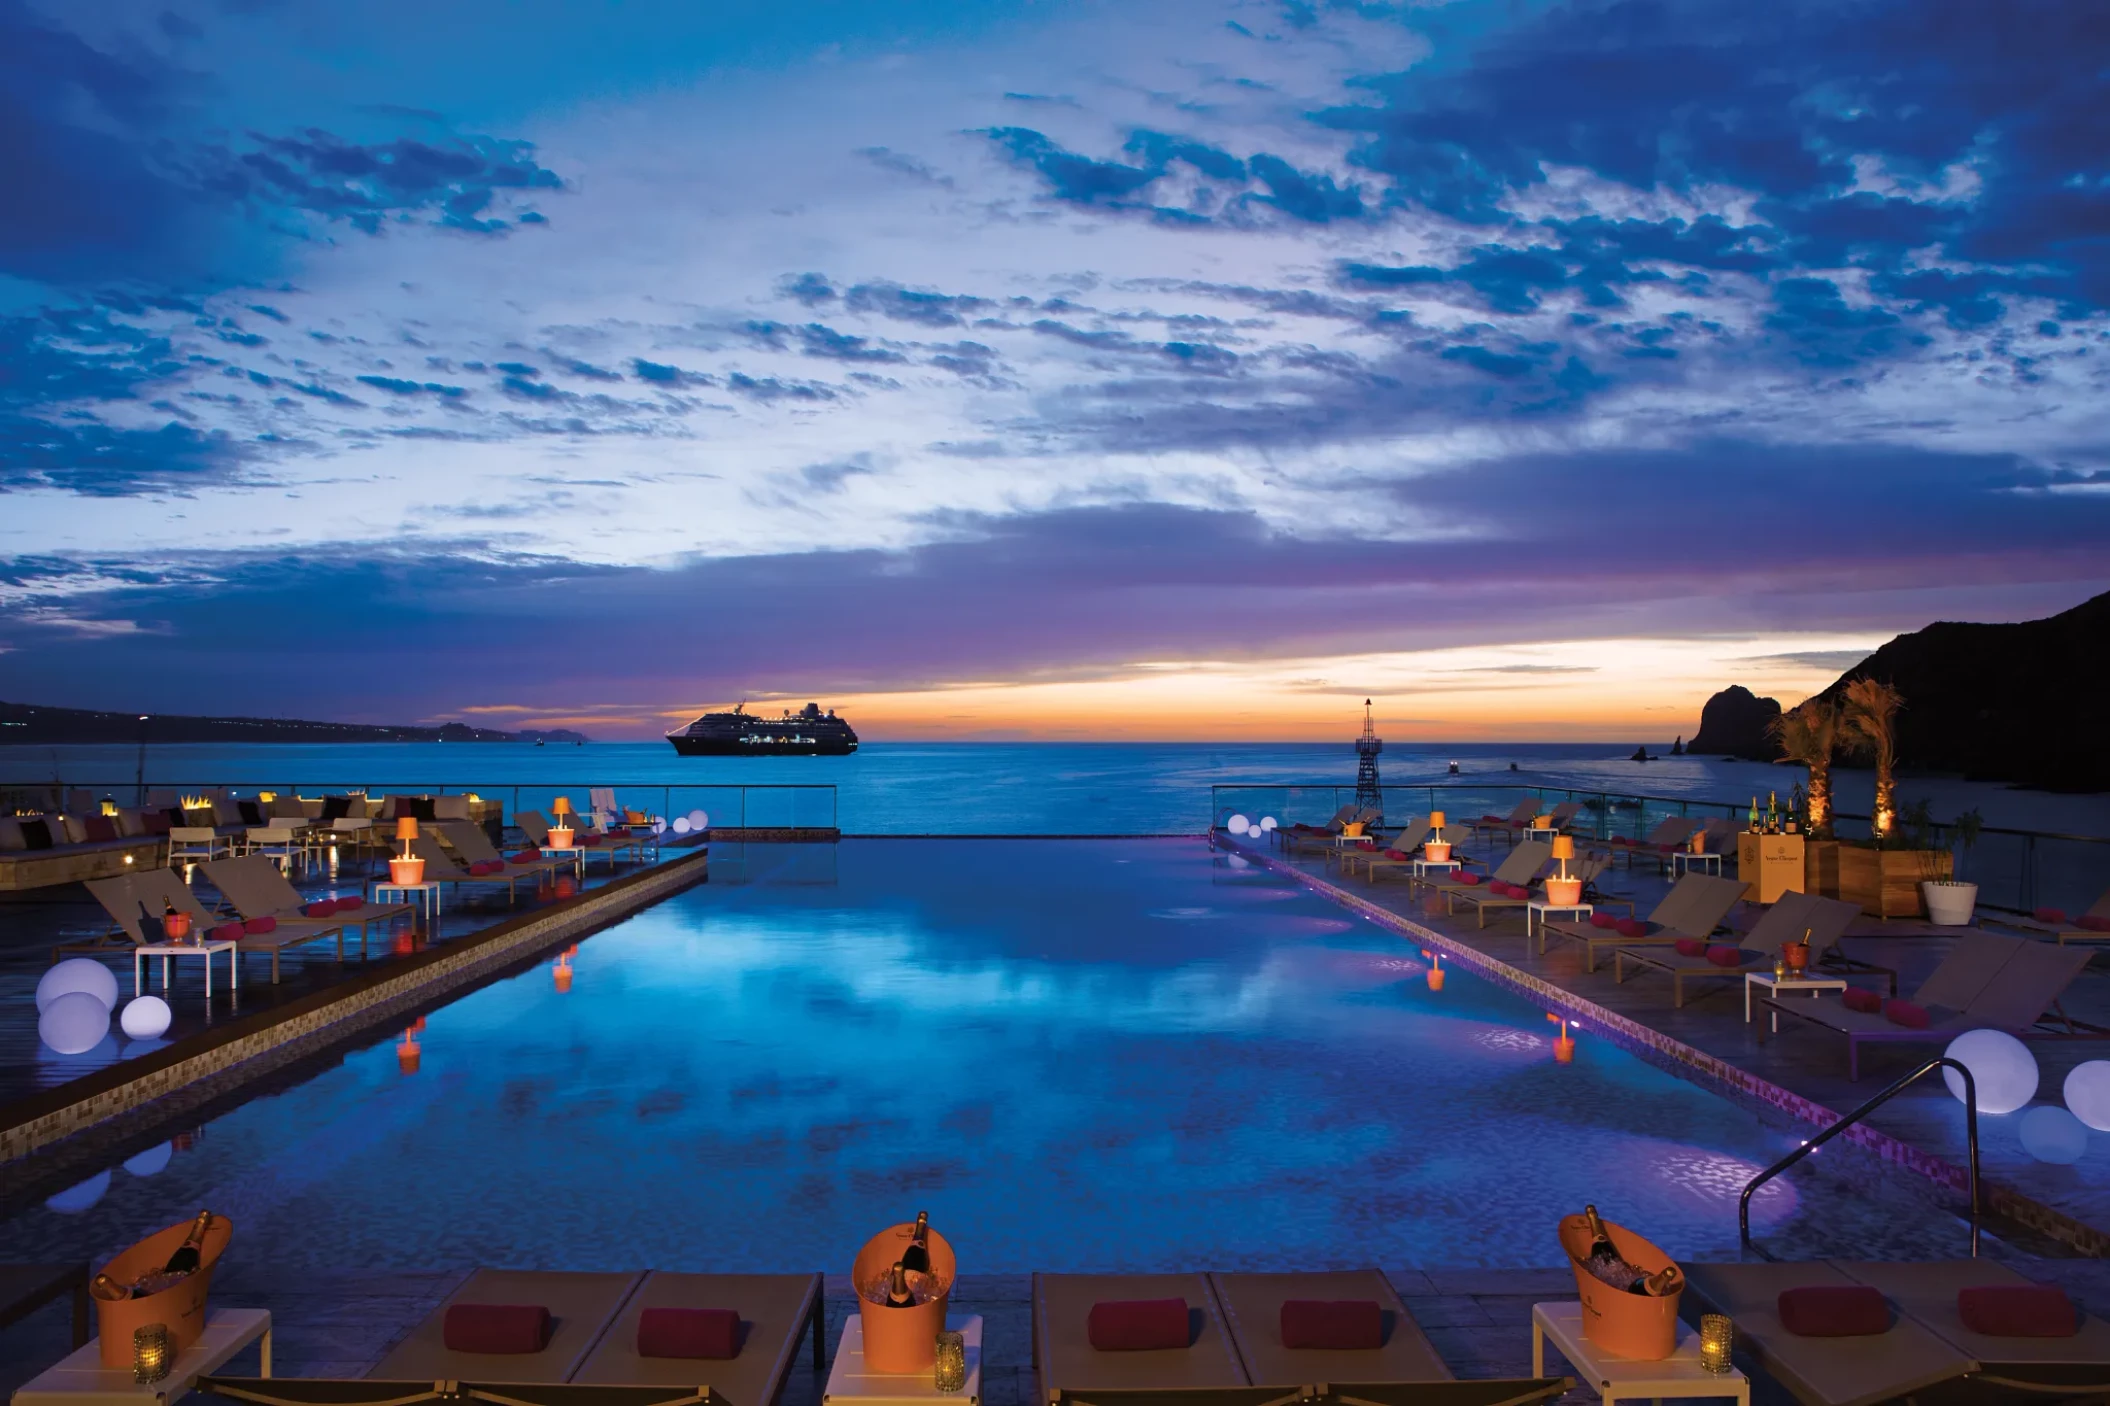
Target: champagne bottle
[
  {"x": 1772, "y": 812},
  {"x": 189, "y": 1255},
  {"x": 1754, "y": 815},
  {"x": 916, "y": 1258},
  {"x": 102, "y": 1286},
  {"x": 1606, "y": 1263},
  {"x": 897, "y": 1291}
]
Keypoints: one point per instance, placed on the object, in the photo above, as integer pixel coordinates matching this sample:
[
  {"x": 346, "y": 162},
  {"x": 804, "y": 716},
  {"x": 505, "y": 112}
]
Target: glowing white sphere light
[
  {"x": 1238, "y": 825},
  {"x": 149, "y": 1162},
  {"x": 77, "y": 974},
  {"x": 681, "y": 825},
  {"x": 2088, "y": 1093},
  {"x": 699, "y": 820},
  {"x": 80, "y": 1196},
  {"x": 74, "y": 1024},
  {"x": 2051, "y": 1134},
  {"x": 1267, "y": 822},
  {"x": 2005, "y": 1070},
  {"x": 145, "y": 1017}
]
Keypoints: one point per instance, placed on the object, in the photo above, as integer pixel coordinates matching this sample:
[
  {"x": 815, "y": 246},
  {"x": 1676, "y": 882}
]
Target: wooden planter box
[{"x": 1884, "y": 882}]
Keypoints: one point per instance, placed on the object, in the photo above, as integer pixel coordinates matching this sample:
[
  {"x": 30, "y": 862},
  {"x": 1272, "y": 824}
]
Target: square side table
[
  {"x": 851, "y": 1384},
  {"x": 1811, "y": 984},
  {"x": 179, "y": 950},
  {"x": 82, "y": 1380},
  {"x": 1624, "y": 1378}
]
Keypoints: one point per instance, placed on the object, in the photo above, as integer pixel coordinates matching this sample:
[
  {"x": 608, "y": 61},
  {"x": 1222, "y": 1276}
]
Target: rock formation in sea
[
  {"x": 2021, "y": 703},
  {"x": 1734, "y": 724}
]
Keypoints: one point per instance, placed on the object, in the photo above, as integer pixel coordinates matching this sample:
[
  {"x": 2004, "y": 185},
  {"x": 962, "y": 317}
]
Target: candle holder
[
  {"x": 951, "y": 1371},
  {"x": 152, "y": 1354},
  {"x": 1717, "y": 1339}
]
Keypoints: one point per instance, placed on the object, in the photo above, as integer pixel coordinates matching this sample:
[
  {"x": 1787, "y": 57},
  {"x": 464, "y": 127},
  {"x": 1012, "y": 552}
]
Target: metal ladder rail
[{"x": 1970, "y": 1106}]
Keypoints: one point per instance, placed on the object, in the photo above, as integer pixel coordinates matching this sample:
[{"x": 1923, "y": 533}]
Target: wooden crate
[
  {"x": 1884, "y": 882},
  {"x": 1771, "y": 864}
]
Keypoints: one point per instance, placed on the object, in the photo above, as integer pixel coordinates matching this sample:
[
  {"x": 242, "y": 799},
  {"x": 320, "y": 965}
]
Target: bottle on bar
[
  {"x": 916, "y": 1258},
  {"x": 1772, "y": 812},
  {"x": 1754, "y": 815},
  {"x": 898, "y": 1294},
  {"x": 183, "y": 1261}
]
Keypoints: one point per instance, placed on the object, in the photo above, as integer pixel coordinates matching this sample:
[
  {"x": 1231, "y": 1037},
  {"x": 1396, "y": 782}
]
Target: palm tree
[
  {"x": 1871, "y": 719},
  {"x": 1809, "y": 735}
]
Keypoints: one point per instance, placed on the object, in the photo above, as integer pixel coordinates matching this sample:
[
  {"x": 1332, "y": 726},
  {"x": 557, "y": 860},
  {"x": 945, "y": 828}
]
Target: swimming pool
[{"x": 1075, "y": 1054}]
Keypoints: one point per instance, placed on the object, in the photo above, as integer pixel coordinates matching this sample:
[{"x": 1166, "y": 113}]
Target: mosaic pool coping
[
  {"x": 1697, "y": 1066},
  {"x": 212, "y": 1063}
]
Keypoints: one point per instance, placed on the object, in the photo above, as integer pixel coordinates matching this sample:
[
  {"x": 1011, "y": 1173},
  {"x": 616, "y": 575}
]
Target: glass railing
[{"x": 2016, "y": 870}]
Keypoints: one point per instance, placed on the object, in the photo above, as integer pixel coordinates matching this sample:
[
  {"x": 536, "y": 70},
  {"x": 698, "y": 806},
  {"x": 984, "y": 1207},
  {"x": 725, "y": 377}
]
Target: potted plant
[
  {"x": 1809, "y": 735},
  {"x": 1870, "y": 718},
  {"x": 1950, "y": 900}
]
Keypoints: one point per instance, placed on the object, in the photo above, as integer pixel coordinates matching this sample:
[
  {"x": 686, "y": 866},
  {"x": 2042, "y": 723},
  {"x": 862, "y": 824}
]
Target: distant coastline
[{"x": 25, "y": 725}]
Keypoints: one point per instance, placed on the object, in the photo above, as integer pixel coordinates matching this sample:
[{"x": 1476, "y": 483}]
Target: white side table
[
  {"x": 850, "y": 1382},
  {"x": 1617, "y": 1378},
  {"x": 82, "y": 1380},
  {"x": 575, "y": 853},
  {"x": 1682, "y": 862},
  {"x": 1777, "y": 985},
  {"x": 1423, "y": 866},
  {"x": 1536, "y": 914},
  {"x": 166, "y": 950},
  {"x": 425, "y": 895}
]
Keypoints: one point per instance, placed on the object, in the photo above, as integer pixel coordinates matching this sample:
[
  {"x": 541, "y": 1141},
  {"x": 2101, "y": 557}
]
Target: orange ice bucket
[
  {"x": 902, "y": 1340},
  {"x": 1639, "y": 1326},
  {"x": 181, "y": 1306}
]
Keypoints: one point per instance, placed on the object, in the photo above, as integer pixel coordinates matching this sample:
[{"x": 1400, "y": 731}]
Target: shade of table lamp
[
  {"x": 1563, "y": 889},
  {"x": 406, "y": 868}
]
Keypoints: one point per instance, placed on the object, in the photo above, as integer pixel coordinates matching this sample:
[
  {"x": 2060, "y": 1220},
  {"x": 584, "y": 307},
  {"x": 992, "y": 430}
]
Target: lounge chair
[
  {"x": 581, "y": 1305},
  {"x": 1824, "y": 920},
  {"x": 1065, "y": 1360},
  {"x": 1989, "y": 981},
  {"x": 159, "y": 888},
  {"x": 1850, "y": 1371},
  {"x": 2091, "y": 926},
  {"x": 1658, "y": 844},
  {"x": 1252, "y": 1307},
  {"x": 775, "y": 1310},
  {"x": 1388, "y": 854},
  {"x": 1324, "y": 840},
  {"x": 1927, "y": 1294},
  {"x": 441, "y": 868},
  {"x": 470, "y": 842},
  {"x": 586, "y": 843},
  {"x": 1694, "y": 907},
  {"x": 1516, "y": 868},
  {"x": 256, "y": 889},
  {"x": 1519, "y": 816},
  {"x": 1485, "y": 900},
  {"x": 1555, "y": 821}
]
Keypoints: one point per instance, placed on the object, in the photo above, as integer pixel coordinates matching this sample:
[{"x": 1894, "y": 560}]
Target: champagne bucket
[
  {"x": 902, "y": 1340},
  {"x": 1638, "y": 1326},
  {"x": 181, "y": 1306}
]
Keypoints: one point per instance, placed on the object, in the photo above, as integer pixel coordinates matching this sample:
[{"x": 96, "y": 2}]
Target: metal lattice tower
[{"x": 1367, "y": 747}]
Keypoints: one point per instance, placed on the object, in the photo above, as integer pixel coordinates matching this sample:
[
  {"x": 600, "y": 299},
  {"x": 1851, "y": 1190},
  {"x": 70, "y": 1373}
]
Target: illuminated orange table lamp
[
  {"x": 406, "y": 868},
  {"x": 560, "y": 834},
  {"x": 1563, "y": 890}
]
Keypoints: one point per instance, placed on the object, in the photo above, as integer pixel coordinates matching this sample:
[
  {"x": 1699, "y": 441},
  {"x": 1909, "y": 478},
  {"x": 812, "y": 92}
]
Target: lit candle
[
  {"x": 951, "y": 1373},
  {"x": 150, "y": 1353},
  {"x": 1717, "y": 1337}
]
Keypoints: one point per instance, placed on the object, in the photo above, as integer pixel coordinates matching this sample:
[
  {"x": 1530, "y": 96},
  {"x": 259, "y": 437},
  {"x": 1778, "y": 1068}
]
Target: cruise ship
[{"x": 806, "y": 733}]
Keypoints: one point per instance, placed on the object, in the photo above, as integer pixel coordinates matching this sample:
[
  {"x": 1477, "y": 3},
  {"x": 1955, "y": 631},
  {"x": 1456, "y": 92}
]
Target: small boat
[{"x": 1454, "y": 768}]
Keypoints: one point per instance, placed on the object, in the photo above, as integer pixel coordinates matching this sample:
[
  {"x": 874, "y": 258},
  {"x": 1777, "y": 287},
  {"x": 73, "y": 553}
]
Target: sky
[{"x": 1040, "y": 370}]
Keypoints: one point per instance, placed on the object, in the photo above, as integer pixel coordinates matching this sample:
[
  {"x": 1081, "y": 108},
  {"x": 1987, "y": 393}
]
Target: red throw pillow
[
  {"x": 1690, "y": 947},
  {"x": 2050, "y": 915},
  {"x": 154, "y": 822},
  {"x": 100, "y": 828},
  {"x": 525, "y": 856},
  {"x": 488, "y": 866},
  {"x": 2093, "y": 924},
  {"x": 688, "y": 1332},
  {"x": 1469, "y": 880},
  {"x": 1902, "y": 1012},
  {"x": 1834, "y": 1311},
  {"x": 321, "y": 908},
  {"x": 496, "y": 1327},
  {"x": 589, "y": 840},
  {"x": 257, "y": 927},
  {"x": 1860, "y": 998},
  {"x": 350, "y": 903},
  {"x": 1631, "y": 927},
  {"x": 1339, "y": 1325},
  {"x": 1359, "y": 844},
  {"x": 1137, "y": 1325},
  {"x": 1603, "y": 920},
  {"x": 1394, "y": 854},
  {"x": 226, "y": 932},
  {"x": 1725, "y": 956},
  {"x": 2018, "y": 1311},
  {"x": 1621, "y": 840}
]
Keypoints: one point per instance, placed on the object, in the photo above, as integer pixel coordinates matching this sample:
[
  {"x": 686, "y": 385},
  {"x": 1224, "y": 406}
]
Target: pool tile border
[
  {"x": 212, "y": 1062},
  {"x": 1699, "y": 1066}
]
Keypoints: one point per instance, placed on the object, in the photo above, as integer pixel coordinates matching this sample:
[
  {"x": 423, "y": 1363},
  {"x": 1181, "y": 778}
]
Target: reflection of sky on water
[{"x": 1008, "y": 1033}]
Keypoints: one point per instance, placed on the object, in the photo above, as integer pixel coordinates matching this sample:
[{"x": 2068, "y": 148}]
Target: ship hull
[{"x": 763, "y": 746}]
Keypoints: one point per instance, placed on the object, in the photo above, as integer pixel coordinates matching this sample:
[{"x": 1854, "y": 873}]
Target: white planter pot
[{"x": 1949, "y": 904}]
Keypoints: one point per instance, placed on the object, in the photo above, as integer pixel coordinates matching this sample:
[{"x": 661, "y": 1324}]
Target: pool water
[{"x": 1074, "y": 1054}]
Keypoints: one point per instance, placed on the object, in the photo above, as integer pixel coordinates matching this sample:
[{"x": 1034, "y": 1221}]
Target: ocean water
[
  {"x": 1076, "y": 1054},
  {"x": 901, "y": 788}
]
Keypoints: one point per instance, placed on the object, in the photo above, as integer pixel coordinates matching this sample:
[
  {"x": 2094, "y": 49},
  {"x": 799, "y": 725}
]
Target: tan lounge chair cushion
[
  {"x": 583, "y": 1305},
  {"x": 1252, "y": 1305},
  {"x": 773, "y": 1309},
  {"x": 1068, "y": 1361}
]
